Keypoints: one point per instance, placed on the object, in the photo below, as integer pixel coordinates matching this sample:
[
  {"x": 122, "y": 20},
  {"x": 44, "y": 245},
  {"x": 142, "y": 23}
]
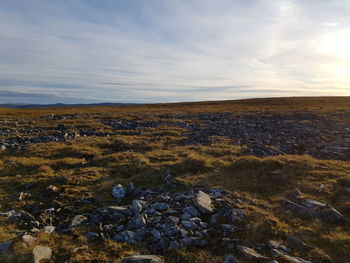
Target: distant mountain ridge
[{"x": 58, "y": 105}]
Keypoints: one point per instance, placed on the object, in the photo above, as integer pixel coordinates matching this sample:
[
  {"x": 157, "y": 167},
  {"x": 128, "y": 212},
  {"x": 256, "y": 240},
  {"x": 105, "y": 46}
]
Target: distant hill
[{"x": 57, "y": 105}]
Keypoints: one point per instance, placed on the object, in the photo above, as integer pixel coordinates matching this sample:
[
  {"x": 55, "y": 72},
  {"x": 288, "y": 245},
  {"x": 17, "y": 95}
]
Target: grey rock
[
  {"x": 48, "y": 229},
  {"x": 184, "y": 233},
  {"x": 329, "y": 213},
  {"x": 203, "y": 203},
  {"x": 227, "y": 227},
  {"x": 10, "y": 213},
  {"x": 29, "y": 240},
  {"x": 278, "y": 254},
  {"x": 131, "y": 188},
  {"x": 171, "y": 221},
  {"x": 296, "y": 243},
  {"x": 78, "y": 221},
  {"x": 191, "y": 210},
  {"x": 5, "y": 247},
  {"x": 92, "y": 236},
  {"x": 41, "y": 252},
  {"x": 193, "y": 242},
  {"x": 168, "y": 179},
  {"x": 172, "y": 231},
  {"x": 156, "y": 234},
  {"x": 136, "y": 207},
  {"x": 114, "y": 209},
  {"x": 24, "y": 196},
  {"x": 175, "y": 245},
  {"x": 213, "y": 219},
  {"x": 189, "y": 225},
  {"x": 203, "y": 225},
  {"x": 275, "y": 245},
  {"x": 230, "y": 259},
  {"x": 136, "y": 221},
  {"x": 237, "y": 215},
  {"x": 160, "y": 206},
  {"x": 125, "y": 236},
  {"x": 118, "y": 191},
  {"x": 311, "y": 209},
  {"x": 142, "y": 259},
  {"x": 196, "y": 220},
  {"x": 186, "y": 216},
  {"x": 250, "y": 253},
  {"x": 140, "y": 234}
]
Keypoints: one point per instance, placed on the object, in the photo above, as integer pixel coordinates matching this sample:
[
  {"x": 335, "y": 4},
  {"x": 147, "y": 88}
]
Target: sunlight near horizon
[{"x": 335, "y": 45}]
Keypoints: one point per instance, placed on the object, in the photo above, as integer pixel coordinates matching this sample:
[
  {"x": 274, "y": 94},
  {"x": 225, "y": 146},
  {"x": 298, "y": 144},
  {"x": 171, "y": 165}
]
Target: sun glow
[
  {"x": 337, "y": 44},
  {"x": 336, "y": 48}
]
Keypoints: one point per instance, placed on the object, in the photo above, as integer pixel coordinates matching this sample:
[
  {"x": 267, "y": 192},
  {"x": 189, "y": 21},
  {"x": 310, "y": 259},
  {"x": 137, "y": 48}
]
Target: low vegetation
[{"x": 90, "y": 166}]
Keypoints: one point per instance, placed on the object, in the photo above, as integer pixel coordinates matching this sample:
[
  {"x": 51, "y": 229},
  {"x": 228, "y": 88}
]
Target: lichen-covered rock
[
  {"x": 203, "y": 203},
  {"x": 41, "y": 252}
]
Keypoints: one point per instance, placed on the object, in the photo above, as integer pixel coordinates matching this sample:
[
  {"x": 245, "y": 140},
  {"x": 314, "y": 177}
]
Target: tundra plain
[{"x": 275, "y": 173}]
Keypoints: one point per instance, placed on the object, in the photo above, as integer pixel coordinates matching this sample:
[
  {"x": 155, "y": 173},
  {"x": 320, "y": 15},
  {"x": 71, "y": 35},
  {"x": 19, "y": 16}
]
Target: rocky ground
[{"x": 180, "y": 186}]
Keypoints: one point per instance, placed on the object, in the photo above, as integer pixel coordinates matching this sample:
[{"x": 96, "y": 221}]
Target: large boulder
[
  {"x": 204, "y": 203},
  {"x": 312, "y": 209}
]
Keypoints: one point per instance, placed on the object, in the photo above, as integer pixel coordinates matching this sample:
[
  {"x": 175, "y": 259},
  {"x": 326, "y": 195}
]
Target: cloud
[{"x": 137, "y": 51}]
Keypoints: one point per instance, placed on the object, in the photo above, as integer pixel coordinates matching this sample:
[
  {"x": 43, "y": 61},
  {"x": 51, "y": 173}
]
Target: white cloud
[{"x": 172, "y": 50}]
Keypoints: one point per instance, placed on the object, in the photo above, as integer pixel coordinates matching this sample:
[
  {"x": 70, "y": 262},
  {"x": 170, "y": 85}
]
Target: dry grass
[{"x": 94, "y": 164}]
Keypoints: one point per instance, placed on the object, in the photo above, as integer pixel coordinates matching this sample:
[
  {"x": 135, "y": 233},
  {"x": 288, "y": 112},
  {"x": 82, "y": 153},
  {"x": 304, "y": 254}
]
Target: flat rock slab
[
  {"x": 143, "y": 259},
  {"x": 251, "y": 254},
  {"x": 41, "y": 252},
  {"x": 203, "y": 203},
  {"x": 311, "y": 209}
]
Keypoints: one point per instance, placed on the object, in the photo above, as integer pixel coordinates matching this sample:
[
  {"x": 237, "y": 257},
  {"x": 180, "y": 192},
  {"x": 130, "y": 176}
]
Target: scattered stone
[
  {"x": 118, "y": 191},
  {"x": 203, "y": 203},
  {"x": 168, "y": 179},
  {"x": 142, "y": 259},
  {"x": 92, "y": 236},
  {"x": 230, "y": 259},
  {"x": 156, "y": 234},
  {"x": 131, "y": 188},
  {"x": 41, "y": 252},
  {"x": 189, "y": 225},
  {"x": 24, "y": 196},
  {"x": 296, "y": 243},
  {"x": 311, "y": 209},
  {"x": 250, "y": 253},
  {"x": 125, "y": 236},
  {"x": 5, "y": 247},
  {"x": 194, "y": 242},
  {"x": 136, "y": 221},
  {"x": 48, "y": 229},
  {"x": 78, "y": 221},
  {"x": 29, "y": 240},
  {"x": 295, "y": 195},
  {"x": 136, "y": 207}
]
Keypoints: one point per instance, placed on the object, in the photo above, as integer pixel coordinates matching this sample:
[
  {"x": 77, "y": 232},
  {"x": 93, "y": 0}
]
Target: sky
[{"x": 144, "y": 51}]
